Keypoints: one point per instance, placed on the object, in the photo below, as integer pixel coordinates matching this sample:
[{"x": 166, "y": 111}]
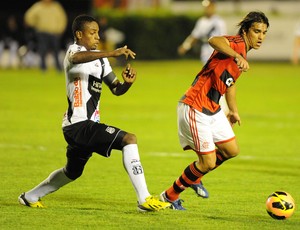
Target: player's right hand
[
  {"x": 242, "y": 63},
  {"x": 124, "y": 51},
  {"x": 181, "y": 51}
]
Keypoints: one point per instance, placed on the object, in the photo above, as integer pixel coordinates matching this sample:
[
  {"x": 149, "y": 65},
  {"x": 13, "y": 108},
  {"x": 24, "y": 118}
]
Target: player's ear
[{"x": 78, "y": 34}]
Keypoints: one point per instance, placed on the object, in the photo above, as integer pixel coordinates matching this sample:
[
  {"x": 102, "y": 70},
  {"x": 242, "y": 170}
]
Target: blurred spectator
[
  {"x": 49, "y": 20},
  {"x": 296, "y": 49},
  {"x": 28, "y": 51},
  {"x": 143, "y": 4},
  {"x": 121, "y": 4},
  {"x": 10, "y": 41},
  {"x": 103, "y": 25},
  {"x": 207, "y": 26},
  {"x": 237, "y": 6}
]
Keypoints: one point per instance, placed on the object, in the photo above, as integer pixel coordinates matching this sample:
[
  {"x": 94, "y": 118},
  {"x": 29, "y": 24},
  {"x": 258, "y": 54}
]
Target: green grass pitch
[{"x": 32, "y": 146}]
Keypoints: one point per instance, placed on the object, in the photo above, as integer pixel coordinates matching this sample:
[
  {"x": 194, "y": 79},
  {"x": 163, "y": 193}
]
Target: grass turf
[{"x": 32, "y": 146}]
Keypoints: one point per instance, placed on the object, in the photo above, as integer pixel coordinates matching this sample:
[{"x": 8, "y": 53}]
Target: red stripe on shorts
[{"x": 194, "y": 130}]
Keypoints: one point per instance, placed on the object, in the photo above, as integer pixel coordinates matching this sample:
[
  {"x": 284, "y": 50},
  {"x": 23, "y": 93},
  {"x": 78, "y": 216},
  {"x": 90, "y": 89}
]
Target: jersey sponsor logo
[
  {"x": 77, "y": 93},
  {"x": 94, "y": 89},
  {"x": 96, "y": 86}
]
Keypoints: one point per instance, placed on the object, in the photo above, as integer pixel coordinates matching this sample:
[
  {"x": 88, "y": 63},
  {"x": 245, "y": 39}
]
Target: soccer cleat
[
  {"x": 152, "y": 204},
  {"x": 174, "y": 204},
  {"x": 200, "y": 190},
  {"x": 24, "y": 201}
]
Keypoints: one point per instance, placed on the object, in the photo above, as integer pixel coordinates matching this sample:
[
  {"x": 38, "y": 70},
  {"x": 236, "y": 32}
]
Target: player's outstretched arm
[
  {"x": 186, "y": 45},
  {"x": 87, "y": 56}
]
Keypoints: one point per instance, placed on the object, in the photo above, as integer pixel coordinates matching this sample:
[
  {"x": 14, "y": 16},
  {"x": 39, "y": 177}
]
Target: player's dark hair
[
  {"x": 79, "y": 21},
  {"x": 252, "y": 17}
]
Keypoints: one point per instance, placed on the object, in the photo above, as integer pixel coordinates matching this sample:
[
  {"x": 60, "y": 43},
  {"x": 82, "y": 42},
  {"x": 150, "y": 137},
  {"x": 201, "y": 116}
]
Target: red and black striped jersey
[{"x": 219, "y": 73}]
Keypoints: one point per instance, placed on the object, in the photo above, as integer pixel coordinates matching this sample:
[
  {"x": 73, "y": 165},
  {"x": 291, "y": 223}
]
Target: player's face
[
  {"x": 209, "y": 10},
  {"x": 256, "y": 34},
  {"x": 90, "y": 36}
]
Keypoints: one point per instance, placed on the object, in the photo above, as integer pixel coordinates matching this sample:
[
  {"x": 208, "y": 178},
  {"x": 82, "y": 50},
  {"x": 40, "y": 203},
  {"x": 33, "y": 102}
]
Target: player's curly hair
[
  {"x": 79, "y": 21},
  {"x": 252, "y": 17}
]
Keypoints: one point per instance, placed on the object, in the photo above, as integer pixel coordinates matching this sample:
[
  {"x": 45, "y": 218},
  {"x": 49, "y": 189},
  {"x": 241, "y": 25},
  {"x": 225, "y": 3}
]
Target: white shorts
[{"x": 201, "y": 132}]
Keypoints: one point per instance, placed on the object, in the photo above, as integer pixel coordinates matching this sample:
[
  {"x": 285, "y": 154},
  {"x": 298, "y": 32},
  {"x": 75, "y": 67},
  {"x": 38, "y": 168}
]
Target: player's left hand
[{"x": 129, "y": 74}]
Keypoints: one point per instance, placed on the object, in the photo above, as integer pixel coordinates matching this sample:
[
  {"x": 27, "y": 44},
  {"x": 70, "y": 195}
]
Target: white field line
[{"x": 189, "y": 155}]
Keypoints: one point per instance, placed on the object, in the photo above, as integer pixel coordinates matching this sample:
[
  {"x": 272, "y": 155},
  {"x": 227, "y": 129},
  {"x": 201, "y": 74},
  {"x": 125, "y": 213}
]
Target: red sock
[
  {"x": 220, "y": 158},
  {"x": 190, "y": 175}
]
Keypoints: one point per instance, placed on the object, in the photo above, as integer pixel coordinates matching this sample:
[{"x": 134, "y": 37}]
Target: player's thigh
[
  {"x": 224, "y": 136},
  {"x": 104, "y": 138},
  {"x": 194, "y": 130},
  {"x": 90, "y": 136},
  {"x": 221, "y": 129}
]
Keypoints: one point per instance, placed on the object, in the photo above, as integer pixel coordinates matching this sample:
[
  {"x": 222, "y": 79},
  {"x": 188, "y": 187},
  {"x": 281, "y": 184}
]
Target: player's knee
[
  {"x": 206, "y": 165},
  {"x": 232, "y": 153},
  {"x": 129, "y": 138},
  {"x": 73, "y": 174},
  {"x": 209, "y": 166},
  {"x": 205, "y": 168},
  {"x": 235, "y": 153}
]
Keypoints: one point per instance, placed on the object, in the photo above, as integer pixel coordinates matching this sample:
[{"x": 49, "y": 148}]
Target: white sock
[
  {"x": 133, "y": 166},
  {"x": 55, "y": 180}
]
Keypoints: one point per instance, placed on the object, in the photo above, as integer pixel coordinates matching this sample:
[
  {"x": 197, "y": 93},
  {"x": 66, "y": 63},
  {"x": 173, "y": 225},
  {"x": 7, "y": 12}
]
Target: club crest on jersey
[
  {"x": 110, "y": 130},
  {"x": 227, "y": 78},
  {"x": 229, "y": 82}
]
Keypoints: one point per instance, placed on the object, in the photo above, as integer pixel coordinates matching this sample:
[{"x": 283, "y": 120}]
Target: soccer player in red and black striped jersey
[{"x": 202, "y": 126}]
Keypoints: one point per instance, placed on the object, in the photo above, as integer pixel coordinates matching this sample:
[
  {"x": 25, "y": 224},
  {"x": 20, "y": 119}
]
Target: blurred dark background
[
  {"x": 154, "y": 28},
  {"x": 18, "y": 8}
]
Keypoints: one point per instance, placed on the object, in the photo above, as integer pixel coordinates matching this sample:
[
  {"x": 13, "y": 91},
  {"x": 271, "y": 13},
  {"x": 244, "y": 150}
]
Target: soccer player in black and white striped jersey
[{"x": 86, "y": 69}]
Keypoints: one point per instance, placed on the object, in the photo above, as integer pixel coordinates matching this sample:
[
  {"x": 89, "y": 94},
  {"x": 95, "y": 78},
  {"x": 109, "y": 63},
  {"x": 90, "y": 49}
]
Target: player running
[
  {"x": 202, "y": 126},
  {"x": 85, "y": 70}
]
